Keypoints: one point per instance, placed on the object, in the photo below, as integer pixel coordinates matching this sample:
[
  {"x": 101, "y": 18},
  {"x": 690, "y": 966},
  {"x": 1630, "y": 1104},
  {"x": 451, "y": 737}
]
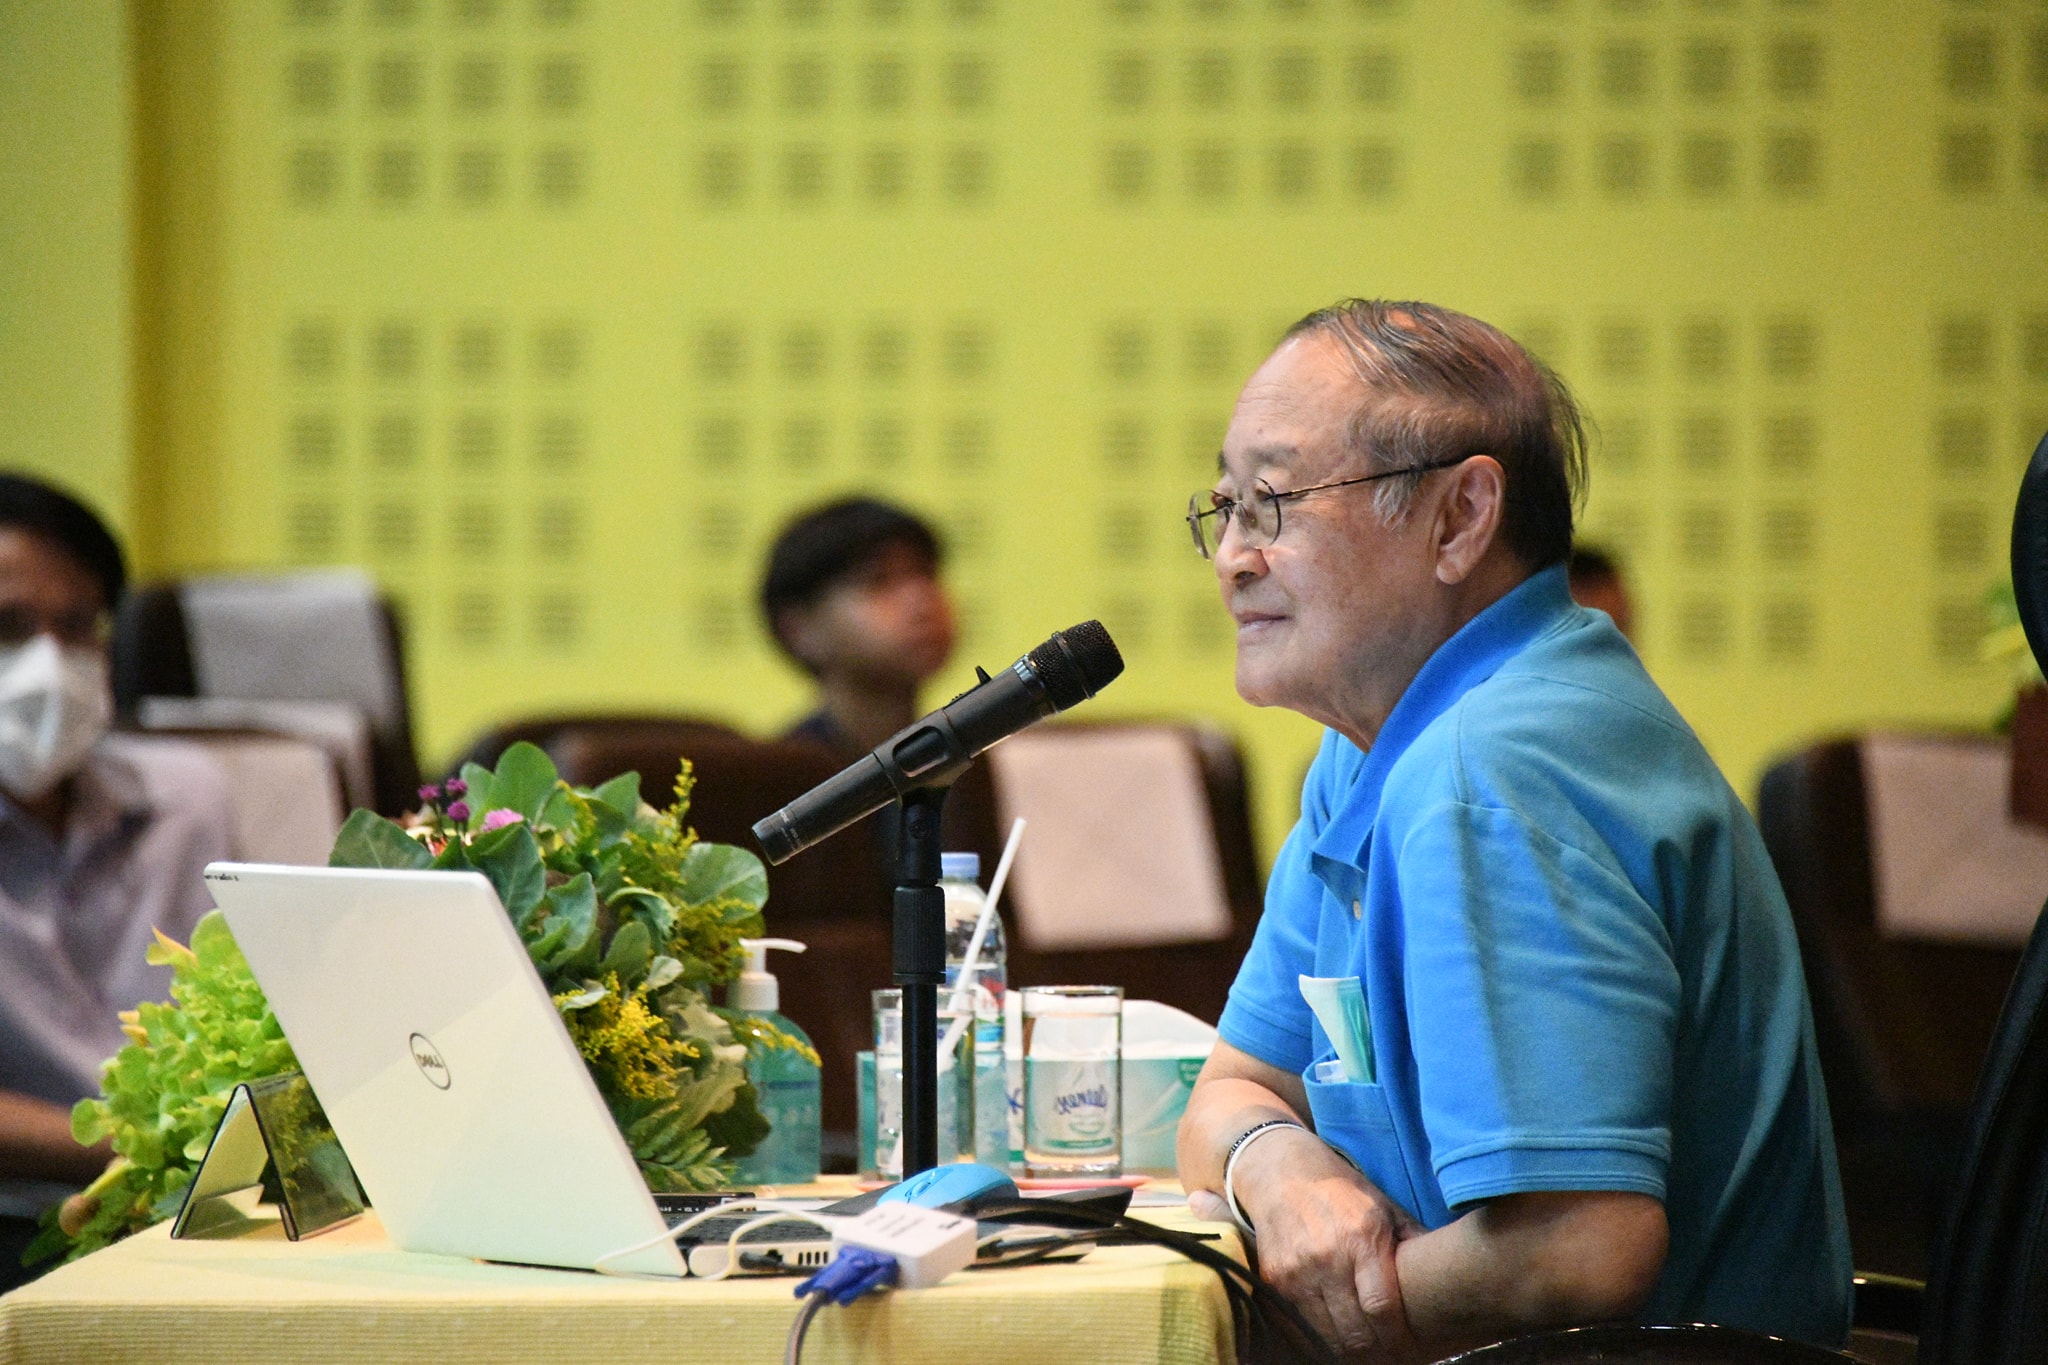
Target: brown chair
[
  {"x": 1903, "y": 1025},
  {"x": 834, "y": 898},
  {"x": 1192, "y": 976}
]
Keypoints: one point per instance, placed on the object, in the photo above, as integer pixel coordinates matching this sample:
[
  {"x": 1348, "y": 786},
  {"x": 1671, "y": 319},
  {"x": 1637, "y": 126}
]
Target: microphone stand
[{"x": 919, "y": 958}]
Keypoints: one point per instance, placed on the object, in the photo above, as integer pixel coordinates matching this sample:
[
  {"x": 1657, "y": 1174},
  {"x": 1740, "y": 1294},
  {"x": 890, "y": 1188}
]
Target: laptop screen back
[{"x": 443, "y": 1065}]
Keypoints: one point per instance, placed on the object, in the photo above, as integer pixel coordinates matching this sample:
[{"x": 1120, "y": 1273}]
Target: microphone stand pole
[{"x": 919, "y": 951}]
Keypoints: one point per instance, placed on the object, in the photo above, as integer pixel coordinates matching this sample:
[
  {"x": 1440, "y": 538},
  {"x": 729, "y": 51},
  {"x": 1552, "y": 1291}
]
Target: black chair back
[{"x": 1987, "y": 1302}]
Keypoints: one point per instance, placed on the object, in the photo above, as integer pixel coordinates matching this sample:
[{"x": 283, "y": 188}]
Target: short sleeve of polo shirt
[
  {"x": 1265, "y": 1016},
  {"x": 1543, "y": 1003}
]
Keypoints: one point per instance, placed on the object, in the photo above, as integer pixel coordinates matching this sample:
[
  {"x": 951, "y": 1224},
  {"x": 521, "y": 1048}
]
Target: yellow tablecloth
[{"x": 347, "y": 1296}]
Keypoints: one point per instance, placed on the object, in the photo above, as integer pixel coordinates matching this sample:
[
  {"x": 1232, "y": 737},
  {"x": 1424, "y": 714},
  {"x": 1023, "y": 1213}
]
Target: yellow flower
[{"x": 626, "y": 1042}]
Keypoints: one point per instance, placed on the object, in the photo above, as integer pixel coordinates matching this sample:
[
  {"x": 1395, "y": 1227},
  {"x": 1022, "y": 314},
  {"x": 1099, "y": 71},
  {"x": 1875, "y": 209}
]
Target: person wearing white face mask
[{"x": 102, "y": 841}]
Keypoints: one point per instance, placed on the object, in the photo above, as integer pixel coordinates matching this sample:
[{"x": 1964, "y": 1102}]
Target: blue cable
[{"x": 853, "y": 1272}]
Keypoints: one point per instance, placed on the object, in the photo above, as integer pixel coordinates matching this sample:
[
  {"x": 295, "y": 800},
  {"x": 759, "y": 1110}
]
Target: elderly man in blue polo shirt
[{"x": 1522, "y": 1041}]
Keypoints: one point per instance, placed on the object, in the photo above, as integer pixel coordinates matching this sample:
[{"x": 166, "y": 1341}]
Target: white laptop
[{"x": 444, "y": 1067}]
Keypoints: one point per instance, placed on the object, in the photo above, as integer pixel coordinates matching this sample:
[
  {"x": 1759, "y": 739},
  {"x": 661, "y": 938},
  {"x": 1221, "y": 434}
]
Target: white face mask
[{"x": 55, "y": 703}]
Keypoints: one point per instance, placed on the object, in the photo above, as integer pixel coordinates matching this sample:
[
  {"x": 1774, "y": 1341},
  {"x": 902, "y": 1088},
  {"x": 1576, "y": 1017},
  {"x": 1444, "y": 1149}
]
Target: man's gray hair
[{"x": 1440, "y": 385}]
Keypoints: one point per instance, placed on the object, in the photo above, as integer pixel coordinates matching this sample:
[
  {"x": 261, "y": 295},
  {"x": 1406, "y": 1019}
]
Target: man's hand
[
  {"x": 36, "y": 1142},
  {"x": 1327, "y": 1236},
  {"x": 1327, "y": 1239},
  {"x": 1368, "y": 1277}
]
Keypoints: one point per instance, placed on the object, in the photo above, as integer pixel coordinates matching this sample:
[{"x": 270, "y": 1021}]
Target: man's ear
[{"x": 1468, "y": 517}]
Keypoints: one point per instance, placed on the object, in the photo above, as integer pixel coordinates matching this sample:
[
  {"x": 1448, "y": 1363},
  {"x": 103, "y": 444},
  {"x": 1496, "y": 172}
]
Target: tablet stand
[{"x": 275, "y": 1123}]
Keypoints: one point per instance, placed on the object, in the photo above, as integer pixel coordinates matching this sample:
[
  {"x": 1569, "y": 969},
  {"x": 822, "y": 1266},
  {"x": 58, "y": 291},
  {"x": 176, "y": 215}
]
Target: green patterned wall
[{"x": 548, "y": 310}]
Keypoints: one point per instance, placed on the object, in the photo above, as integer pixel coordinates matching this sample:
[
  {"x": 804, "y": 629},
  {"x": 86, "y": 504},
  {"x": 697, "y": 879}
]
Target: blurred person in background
[
  {"x": 102, "y": 841},
  {"x": 1596, "y": 581},
  {"x": 1575, "y": 1080},
  {"x": 854, "y": 597}
]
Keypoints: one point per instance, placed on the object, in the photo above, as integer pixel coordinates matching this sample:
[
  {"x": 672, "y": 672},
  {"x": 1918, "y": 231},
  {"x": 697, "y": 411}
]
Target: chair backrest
[
  {"x": 1195, "y": 972},
  {"x": 1902, "y": 1023},
  {"x": 286, "y": 794},
  {"x": 1987, "y": 1300},
  {"x": 313, "y": 638}
]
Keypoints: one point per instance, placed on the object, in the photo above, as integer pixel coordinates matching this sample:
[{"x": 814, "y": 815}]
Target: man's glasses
[
  {"x": 1257, "y": 514},
  {"x": 79, "y": 629}
]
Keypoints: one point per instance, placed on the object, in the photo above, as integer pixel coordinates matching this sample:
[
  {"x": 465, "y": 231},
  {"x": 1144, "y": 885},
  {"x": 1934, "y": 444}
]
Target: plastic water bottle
[{"x": 959, "y": 878}]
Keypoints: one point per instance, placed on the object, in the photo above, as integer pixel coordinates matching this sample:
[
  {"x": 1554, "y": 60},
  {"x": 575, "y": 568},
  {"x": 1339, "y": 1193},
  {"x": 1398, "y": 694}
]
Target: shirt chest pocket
[{"x": 1355, "y": 1118}]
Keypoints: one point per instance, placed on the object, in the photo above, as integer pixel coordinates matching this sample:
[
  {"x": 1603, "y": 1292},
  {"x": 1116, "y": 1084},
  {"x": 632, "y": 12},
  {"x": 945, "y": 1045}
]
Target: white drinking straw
[{"x": 963, "y": 992}]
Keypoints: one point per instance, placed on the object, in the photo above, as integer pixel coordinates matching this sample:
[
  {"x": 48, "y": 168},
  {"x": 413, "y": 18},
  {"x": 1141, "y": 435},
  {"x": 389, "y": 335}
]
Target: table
[{"x": 347, "y": 1296}]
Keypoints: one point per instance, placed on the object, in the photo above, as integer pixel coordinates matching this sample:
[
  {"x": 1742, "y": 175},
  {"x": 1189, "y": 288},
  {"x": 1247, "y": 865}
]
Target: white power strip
[{"x": 927, "y": 1245}]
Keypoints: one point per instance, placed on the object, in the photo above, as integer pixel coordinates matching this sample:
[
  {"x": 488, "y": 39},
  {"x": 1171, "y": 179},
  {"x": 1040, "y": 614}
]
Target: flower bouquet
[{"x": 629, "y": 918}]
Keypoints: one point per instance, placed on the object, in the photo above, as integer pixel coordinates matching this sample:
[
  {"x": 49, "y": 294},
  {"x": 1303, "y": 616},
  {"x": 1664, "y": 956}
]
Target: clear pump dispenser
[{"x": 785, "y": 1083}]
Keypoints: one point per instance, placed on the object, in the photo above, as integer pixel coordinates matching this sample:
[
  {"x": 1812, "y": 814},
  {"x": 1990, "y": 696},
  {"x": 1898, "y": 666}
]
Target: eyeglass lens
[{"x": 1257, "y": 515}]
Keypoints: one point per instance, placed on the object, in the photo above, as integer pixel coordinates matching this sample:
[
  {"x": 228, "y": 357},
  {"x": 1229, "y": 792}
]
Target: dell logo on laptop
[{"x": 428, "y": 1059}]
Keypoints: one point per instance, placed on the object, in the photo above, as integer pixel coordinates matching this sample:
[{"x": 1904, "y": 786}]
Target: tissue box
[{"x": 1163, "y": 1052}]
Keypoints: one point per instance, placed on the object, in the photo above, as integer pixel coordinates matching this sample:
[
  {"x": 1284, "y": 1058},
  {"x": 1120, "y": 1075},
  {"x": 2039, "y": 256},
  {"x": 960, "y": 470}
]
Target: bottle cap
[
  {"x": 757, "y": 989},
  {"x": 960, "y": 867}
]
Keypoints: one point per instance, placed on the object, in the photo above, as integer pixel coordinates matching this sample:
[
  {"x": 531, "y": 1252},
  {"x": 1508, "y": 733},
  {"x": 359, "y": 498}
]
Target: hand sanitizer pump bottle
[{"x": 785, "y": 1082}]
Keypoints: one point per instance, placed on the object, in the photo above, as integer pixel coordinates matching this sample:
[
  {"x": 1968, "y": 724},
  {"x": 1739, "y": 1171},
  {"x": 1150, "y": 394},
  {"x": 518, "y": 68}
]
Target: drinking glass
[
  {"x": 956, "y": 1086},
  {"x": 1073, "y": 1080}
]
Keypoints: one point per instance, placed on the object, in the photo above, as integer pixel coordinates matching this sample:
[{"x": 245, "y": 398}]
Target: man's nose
[{"x": 1236, "y": 558}]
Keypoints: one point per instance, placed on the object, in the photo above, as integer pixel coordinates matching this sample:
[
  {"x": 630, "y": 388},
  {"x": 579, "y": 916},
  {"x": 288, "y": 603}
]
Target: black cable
[
  {"x": 793, "y": 1353},
  {"x": 1267, "y": 1328}
]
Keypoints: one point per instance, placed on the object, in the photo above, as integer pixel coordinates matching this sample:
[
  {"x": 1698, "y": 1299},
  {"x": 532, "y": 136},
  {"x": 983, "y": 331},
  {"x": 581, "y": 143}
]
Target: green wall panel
[
  {"x": 548, "y": 311},
  {"x": 64, "y": 247}
]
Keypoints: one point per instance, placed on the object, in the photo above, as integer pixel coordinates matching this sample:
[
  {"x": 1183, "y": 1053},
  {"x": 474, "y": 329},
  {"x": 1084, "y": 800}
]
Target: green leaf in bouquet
[
  {"x": 700, "y": 1096},
  {"x": 608, "y": 870},
  {"x": 213, "y": 944},
  {"x": 591, "y": 993},
  {"x": 575, "y": 902},
  {"x": 723, "y": 872},
  {"x": 622, "y": 793},
  {"x": 739, "y": 1127},
  {"x": 367, "y": 839},
  {"x": 563, "y": 924},
  {"x": 453, "y": 857},
  {"x": 511, "y": 859},
  {"x": 564, "y": 812},
  {"x": 662, "y": 971},
  {"x": 639, "y": 904},
  {"x": 91, "y": 1120},
  {"x": 478, "y": 780},
  {"x": 631, "y": 951},
  {"x": 548, "y": 944},
  {"x": 524, "y": 781}
]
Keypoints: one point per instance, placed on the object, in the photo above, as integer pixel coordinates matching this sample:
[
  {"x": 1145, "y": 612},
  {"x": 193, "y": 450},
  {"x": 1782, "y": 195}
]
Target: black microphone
[{"x": 1065, "y": 671}]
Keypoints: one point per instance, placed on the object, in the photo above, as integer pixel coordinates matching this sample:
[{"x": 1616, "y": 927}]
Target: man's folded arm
[
  {"x": 1524, "y": 1262},
  {"x": 1368, "y": 1277},
  {"x": 36, "y": 1142},
  {"x": 1234, "y": 1091}
]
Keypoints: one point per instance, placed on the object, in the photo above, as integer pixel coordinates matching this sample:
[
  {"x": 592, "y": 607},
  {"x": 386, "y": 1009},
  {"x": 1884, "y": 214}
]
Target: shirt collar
[{"x": 1534, "y": 607}]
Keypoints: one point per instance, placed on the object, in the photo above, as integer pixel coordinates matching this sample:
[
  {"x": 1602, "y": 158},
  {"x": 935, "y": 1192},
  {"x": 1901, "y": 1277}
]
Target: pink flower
[
  {"x": 459, "y": 811},
  {"x": 498, "y": 819}
]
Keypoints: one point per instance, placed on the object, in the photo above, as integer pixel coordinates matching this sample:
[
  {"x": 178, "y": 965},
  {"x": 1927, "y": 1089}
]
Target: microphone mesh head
[{"x": 1076, "y": 663}]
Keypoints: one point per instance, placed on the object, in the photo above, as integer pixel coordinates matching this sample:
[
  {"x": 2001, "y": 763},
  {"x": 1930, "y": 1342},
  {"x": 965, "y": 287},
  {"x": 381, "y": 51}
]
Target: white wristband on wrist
[{"x": 1237, "y": 1149}]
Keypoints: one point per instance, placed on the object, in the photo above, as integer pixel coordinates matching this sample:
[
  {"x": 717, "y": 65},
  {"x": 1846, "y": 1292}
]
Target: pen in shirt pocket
[{"x": 1339, "y": 1006}]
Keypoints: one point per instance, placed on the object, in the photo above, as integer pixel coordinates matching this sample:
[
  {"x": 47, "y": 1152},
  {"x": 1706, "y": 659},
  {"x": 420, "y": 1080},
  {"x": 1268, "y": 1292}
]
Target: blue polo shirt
[{"x": 1578, "y": 967}]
